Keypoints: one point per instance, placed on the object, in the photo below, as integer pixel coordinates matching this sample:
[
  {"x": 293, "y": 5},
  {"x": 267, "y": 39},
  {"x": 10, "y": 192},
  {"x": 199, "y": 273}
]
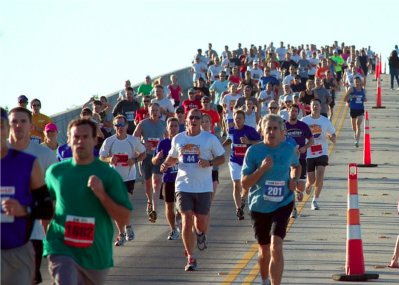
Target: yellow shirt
[{"x": 39, "y": 121}]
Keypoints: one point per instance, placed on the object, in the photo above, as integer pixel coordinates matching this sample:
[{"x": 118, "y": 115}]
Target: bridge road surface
[{"x": 315, "y": 245}]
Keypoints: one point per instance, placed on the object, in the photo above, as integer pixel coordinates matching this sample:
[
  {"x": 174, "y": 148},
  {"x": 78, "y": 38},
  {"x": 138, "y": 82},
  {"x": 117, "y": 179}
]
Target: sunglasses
[
  {"x": 121, "y": 125},
  {"x": 272, "y": 108},
  {"x": 205, "y": 101},
  {"x": 36, "y": 105},
  {"x": 146, "y": 101},
  {"x": 194, "y": 117}
]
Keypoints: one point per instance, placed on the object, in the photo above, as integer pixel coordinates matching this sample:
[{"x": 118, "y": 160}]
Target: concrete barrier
[{"x": 62, "y": 119}]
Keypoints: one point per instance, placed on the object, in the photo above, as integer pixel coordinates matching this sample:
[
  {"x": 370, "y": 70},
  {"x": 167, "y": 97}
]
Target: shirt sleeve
[{"x": 174, "y": 152}]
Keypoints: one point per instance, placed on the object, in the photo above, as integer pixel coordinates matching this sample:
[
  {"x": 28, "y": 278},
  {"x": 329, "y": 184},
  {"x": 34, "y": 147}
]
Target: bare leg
[
  {"x": 277, "y": 260},
  {"x": 395, "y": 257},
  {"x": 319, "y": 180},
  {"x": 264, "y": 260}
]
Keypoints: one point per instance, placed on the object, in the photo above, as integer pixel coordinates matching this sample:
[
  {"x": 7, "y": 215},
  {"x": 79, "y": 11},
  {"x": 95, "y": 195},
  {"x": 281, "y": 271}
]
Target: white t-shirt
[
  {"x": 199, "y": 70},
  {"x": 230, "y": 100},
  {"x": 281, "y": 51},
  {"x": 314, "y": 62},
  {"x": 130, "y": 146},
  {"x": 320, "y": 128},
  {"x": 191, "y": 177},
  {"x": 214, "y": 71},
  {"x": 265, "y": 104},
  {"x": 166, "y": 104}
]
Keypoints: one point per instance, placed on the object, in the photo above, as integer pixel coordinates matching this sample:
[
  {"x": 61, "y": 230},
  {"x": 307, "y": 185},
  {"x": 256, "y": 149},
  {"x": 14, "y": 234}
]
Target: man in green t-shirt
[{"x": 89, "y": 195}]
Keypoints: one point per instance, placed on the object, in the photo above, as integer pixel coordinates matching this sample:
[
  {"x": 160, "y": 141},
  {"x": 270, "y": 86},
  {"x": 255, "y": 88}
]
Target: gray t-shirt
[
  {"x": 324, "y": 96},
  {"x": 152, "y": 132}
]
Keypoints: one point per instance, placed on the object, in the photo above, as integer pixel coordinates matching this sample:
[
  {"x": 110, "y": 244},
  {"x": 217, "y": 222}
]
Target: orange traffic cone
[
  {"x": 378, "y": 99},
  {"x": 354, "y": 266},
  {"x": 367, "y": 144}
]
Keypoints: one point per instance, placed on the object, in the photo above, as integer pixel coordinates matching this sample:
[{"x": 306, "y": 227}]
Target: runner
[
  {"x": 196, "y": 152},
  {"x": 89, "y": 195},
  {"x": 168, "y": 177},
  {"x": 127, "y": 107},
  {"x": 355, "y": 97},
  {"x": 24, "y": 197},
  {"x": 317, "y": 154},
  {"x": 266, "y": 175},
  {"x": 240, "y": 137},
  {"x": 301, "y": 133},
  {"x": 151, "y": 131},
  {"x": 122, "y": 151},
  {"x": 39, "y": 121},
  {"x": 19, "y": 139}
]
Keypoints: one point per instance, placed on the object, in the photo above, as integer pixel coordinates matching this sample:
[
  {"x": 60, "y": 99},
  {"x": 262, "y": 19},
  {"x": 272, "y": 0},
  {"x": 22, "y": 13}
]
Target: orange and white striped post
[{"x": 354, "y": 266}]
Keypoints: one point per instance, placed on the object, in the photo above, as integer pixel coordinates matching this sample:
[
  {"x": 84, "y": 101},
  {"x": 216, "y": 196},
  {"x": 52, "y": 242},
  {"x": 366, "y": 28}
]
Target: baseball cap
[
  {"x": 23, "y": 99},
  {"x": 205, "y": 98},
  {"x": 191, "y": 90},
  {"x": 288, "y": 98},
  {"x": 51, "y": 127}
]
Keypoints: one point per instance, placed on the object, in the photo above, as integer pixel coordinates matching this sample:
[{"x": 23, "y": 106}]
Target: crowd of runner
[{"x": 272, "y": 105}]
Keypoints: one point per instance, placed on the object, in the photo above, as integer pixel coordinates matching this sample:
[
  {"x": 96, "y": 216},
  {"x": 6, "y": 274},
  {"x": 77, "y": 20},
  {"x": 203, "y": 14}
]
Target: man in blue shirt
[{"x": 270, "y": 173}]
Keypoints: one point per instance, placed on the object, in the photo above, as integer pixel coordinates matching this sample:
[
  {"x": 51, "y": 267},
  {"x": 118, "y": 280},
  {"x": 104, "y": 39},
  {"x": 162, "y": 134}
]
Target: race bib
[
  {"x": 153, "y": 143},
  {"x": 122, "y": 159},
  {"x": 130, "y": 116},
  {"x": 36, "y": 139},
  {"x": 79, "y": 231},
  {"x": 316, "y": 149},
  {"x": 190, "y": 153},
  {"x": 174, "y": 169},
  {"x": 239, "y": 150},
  {"x": 6, "y": 193},
  {"x": 359, "y": 100},
  {"x": 274, "y": 191}
]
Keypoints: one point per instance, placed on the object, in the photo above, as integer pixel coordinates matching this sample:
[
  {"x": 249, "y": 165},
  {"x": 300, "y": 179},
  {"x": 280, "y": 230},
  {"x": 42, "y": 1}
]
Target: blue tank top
[
  {"x": 357, "y": 99},
  {"x": 15, "y": 183}
]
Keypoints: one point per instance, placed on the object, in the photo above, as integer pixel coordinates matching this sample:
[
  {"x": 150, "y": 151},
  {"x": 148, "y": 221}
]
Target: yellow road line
[{"x": 253, "y": 250}]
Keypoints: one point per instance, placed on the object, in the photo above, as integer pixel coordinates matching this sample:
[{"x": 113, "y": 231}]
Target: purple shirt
[
  {"x": 299, "y": 132},
  {"x": 170, "y": 174},
  {"x": 238, "y": 149}
]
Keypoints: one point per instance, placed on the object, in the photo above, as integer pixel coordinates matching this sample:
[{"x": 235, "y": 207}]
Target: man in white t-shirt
[
  {"x": 166, "y": 107},
  {"x": 228, "y": 103},
  {"x": 122, "y": 151},
  {"x": 196, "y": 152},
  {"x": 317, "y": 155}
]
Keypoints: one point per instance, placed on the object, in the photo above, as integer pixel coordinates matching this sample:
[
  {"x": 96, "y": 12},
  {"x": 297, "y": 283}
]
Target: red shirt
[
  {"x": 141, "y": 114},
  {"x": 214, "y": 117},
  {"x": 188, "y": 105}
]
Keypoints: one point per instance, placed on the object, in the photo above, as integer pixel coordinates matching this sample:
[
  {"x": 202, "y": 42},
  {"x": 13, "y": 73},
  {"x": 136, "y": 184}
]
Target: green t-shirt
[
  {"x": 339, "y": 61},
  {"x": 80, "y": 218},
  {"x": 145, "y": 89}
]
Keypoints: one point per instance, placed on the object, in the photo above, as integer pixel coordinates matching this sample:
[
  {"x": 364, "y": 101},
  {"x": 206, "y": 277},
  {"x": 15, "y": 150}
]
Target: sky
[{"x": 65, "y": 51}]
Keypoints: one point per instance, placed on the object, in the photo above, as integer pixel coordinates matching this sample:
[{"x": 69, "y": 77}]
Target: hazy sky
[{"x": 63, "y": 52}]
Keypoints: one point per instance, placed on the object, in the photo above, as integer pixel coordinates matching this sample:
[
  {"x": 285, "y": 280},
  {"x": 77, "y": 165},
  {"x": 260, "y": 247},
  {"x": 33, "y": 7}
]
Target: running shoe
[
  {"x": 129, "y": 233},
  {"x": 191, "y": 264},
  {"x": 294, "y": 214},
  {"x": 152, "y": 216},
  {"x": 149, "y": 208},
  {"x": 174, "y": 235},
  {"x": 299, "y": 196},
  {"x": 240, "y": 214},
  {"x": 120, "y": 240},
  {"x": 201, "y": 241},
  {"x": 315, "y": 206},
  {"x": 356, "y": 143}
]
